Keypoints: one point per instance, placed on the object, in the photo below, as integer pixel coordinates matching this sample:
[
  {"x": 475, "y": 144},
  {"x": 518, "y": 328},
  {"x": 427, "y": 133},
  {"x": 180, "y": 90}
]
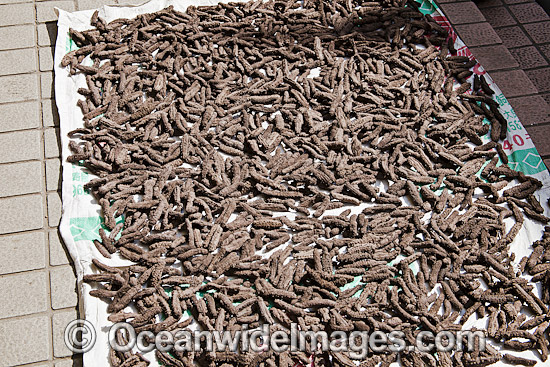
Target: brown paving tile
[
  {"x": 513, "y": 36},
  {"x": 528, "y": 57},
  {"x": 546, "y": 97},
  {"x": 488, "y": 3},
  {"x": 540, "y": 78},
  {"x": 498, "y": 17},
  {"x": 528, "y": 13},
  {"x": 531, "y": 110},
  {"x": 479, "y": 34},
  {"x": 513, "y": 83},
  {"x": 545, "y": 50},
  {"x": 546, "y": 162},
  {"x": 494, "y": 57},
  {"x": 539, "y": 32},
  {"x": 464, "y": 12},
  {"x": 541, "y": 138},
  {"x": 518, "y": 1}
]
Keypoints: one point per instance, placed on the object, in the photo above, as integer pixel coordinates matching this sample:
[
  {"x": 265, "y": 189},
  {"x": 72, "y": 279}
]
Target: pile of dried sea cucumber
[{"x": 238, "y": 141}]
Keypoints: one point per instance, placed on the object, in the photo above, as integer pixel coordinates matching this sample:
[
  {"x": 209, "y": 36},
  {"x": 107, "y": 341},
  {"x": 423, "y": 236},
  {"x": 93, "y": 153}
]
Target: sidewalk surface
[
  {"x": 511, "y": 39},
  {"x": 37, "y": 282}
]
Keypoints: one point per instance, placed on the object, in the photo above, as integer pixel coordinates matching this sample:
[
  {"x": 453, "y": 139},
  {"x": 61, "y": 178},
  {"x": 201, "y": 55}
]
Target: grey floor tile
[
  {"x": 19, "y": 36},
  {"x": 19, "y": 116},
  {"x": 21, "y": 213},
  {"x": 46, "y": 85},
  {"x": 54, "y": 209},
  {"x": 63, "y": 287},
  {"x": 19, "y": 348},
  {"x": 53, "y": 174},
  {"x": 51, "y": 143},
  {"x": 23, "y": 293},
  {"x": 58, "y": 254},
  {"x": 50, "y": 116},
  {"x": 15, "y": 14},
  {"x": 47, "y": 33},
  {"x": 20, "y": 146},
  {"x": 45, "y": 10},
  {"x": 45, "y": 55},
  {"x": 17, "y": 61},
  {"x": 16, "y": 88},
  {"x": 14, "y": 1},
  {"x": 20, "y": 178},
  {"x": 60, "y": 320},
  {"x": 93, "y": 4},
  {"x": 22, "y": 252}
]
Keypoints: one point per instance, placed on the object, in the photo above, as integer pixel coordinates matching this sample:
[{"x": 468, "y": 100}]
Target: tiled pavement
[
  {"x": 36, "y": 278},
  {"x": 511, "y": 39}
]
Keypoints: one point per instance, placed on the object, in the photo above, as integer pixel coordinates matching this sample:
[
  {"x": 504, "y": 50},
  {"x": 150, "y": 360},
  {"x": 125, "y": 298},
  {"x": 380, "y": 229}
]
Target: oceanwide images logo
[{"x": 123, "y": 338}]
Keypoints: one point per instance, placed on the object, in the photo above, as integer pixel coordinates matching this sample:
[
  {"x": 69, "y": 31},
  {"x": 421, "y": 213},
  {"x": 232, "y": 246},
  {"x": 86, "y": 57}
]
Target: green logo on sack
[
  {"x": 87, "y": 228},
  {"x": 70, "y": 45},
  {"x": 527, "y": 161}
]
